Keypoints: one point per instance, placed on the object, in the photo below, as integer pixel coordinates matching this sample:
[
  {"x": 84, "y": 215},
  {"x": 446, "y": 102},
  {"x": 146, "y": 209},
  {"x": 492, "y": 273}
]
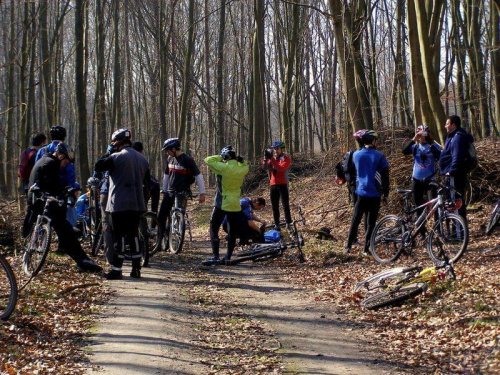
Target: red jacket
[{"x": 278, "y": 169}]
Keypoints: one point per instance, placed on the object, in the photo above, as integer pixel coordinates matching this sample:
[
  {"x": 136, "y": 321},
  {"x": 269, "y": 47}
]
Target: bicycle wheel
[
  {"x": 393, "y": 296},
  {"x": 177, "y": 231},
  {"x": 97, "y": 241},
  {"x": 468, "y": 193},
  {"x": 386, "y": 242},
  {"x": 255, "y": 249},
  {"x": 36, "y": 250},
  {"x": 151, "y": 232},
  {"x": 449, "y": 237},
  {"x": 259, "y": 253},
  {"x": 94, "y": 224},
  {"x": 495, "y": 217},
  {"x": 8, "y": 289}
]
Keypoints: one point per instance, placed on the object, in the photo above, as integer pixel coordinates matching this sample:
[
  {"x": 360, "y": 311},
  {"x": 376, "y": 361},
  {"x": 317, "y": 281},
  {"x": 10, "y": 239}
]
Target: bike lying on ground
[
  {"x": 399, "y": 284},
  {"x": 8, "y": 289},
  {"x": 494, "y": 219},
  {"x": 449, "y": 235},
  {"x": 259, "y": 251}
]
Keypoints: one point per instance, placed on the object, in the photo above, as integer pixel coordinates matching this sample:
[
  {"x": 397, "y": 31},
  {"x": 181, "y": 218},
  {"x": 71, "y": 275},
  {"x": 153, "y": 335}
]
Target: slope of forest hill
[{"x": 455, "y": 326}]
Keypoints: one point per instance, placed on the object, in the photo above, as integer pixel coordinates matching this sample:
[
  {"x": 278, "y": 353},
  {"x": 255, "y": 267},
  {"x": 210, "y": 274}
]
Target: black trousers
[
  {"x": 125, "y": 227},
  {"x": 68, "y": 242},
  {"x": 165, "y": 208},
  {"x": 459, "y": 183},
  {"x": 216, "y": 220},
  {"x": 370, "y": 207},
  {"x": 278, "y": 191}
]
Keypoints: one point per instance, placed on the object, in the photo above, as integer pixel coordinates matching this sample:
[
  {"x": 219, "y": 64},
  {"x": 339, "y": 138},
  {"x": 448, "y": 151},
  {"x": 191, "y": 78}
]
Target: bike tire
[
  {"x": 450, "y": 229},
  {"x": 177, "y": 232},
  {"x": 8, "y": 289},
  {"x": 386, "y": 243},
  {"x": 259, "y": 255},
  {"x": 37, "y": 250},
  {"x": 94, "y": 225},
  {"x": 495, "y": 218},
  {"x": 392, "y": 297},
  {"x": 97, "y": 241},
  {"x": 255, "y": 249}
]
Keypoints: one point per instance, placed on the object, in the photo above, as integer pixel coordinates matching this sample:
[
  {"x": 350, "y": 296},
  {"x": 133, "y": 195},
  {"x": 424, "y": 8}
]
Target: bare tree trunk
[
  {"x": 220, "y": 76},
  {"x": 495, "y": 58},
  {"x": 131, "y": 124},
  {"x": 208, "y": 84},
  {"x": 258, "y": 67},
  {"x": 117, "y": 76},
  {"x": 100, "y": 93}
]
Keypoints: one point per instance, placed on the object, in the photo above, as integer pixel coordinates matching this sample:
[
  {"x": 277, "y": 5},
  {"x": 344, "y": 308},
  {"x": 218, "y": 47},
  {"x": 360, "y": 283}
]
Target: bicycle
[
  {"x": 495, "y": 218},
  {"x": 8, "y": 289},
  {"x": 260, "y": 251},
  {"x": 400, "y": 284},
  {"x": 37, "y": 244},
  {"x": 394, "y": 234},
  {"x": 179, "y": 222}
]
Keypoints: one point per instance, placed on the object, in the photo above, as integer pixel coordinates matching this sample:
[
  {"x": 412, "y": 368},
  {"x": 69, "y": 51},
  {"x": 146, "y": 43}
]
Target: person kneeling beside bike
[
  {"x": 44, "y": 178},
  {"x": 247, "y": 229}
]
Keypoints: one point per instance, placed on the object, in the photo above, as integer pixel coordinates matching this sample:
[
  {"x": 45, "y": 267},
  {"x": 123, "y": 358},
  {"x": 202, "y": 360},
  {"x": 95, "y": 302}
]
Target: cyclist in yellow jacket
[{"x": 230, "y": 172}]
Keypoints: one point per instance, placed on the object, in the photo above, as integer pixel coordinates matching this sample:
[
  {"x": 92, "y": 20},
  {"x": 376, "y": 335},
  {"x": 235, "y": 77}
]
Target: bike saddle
[{"x": 404, "y": 192}]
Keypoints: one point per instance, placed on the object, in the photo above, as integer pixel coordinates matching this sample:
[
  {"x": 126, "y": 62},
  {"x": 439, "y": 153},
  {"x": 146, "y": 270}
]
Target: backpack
[
  {"x": 348, "y": 167},
  {"x": 471, "y": 161},
  {"x": 26, "y": 164}
]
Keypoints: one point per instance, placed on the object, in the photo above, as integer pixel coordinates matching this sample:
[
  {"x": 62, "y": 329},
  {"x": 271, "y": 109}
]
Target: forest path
[{"x": 152, "y": 325}]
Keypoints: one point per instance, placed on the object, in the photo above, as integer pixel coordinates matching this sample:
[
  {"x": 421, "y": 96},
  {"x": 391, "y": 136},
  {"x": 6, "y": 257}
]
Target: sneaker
[
  {"x": 211, "y": 261},
  {"x": 136, "y": 273},
  {"x": 113, "y": 275},
  {"x": 88, "y": 265}
]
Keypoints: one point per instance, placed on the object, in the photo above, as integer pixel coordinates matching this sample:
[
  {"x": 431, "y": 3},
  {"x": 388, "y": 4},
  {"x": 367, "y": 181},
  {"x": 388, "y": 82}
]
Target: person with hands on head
[
  {"x": 425, "y": 153},
  {"x": 128, "y": 177},
  {"x": 372, "y": 186},
  {"x": 45, "y": 178},
  {"x": 230, "y": 172},
  {"x": 453, "y": 160},
  {"x": 277, "y": 165},
  {"x": 179, "y": 174}
]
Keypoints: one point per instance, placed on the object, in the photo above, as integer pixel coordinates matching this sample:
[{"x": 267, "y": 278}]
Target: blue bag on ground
[{"x": 272, "y": 236}]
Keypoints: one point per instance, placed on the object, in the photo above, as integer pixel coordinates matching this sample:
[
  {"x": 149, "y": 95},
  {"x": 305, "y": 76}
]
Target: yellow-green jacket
[{"x": 229, "y": 177}]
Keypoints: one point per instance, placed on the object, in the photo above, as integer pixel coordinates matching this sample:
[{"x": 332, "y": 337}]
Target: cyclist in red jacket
[{"x": 278, "y": 165}]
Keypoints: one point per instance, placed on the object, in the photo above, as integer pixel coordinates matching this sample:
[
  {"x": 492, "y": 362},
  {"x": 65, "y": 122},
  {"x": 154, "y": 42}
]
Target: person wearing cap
[
  {"x": 179, "y": 174},
  {"x": 67, "y": 174},
  {"x": 426, "y": 155},
  {"x": 230, "y": 172},
  {"x": 128, "y": 176},
  {"x": 44, "y": 178},
  {"x": 372, "y": 186},
  {"x": 277, "y": 165}
]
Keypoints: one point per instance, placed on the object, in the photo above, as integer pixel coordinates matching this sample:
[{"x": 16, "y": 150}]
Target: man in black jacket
[
  {"x": 453, "y": 160},
  {"x": 45, "y": 176}
]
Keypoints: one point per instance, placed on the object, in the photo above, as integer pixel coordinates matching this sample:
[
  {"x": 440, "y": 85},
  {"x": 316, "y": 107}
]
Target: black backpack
[
  {"x": 348, "y": 167},
  {"x": 471, "y": 161}
]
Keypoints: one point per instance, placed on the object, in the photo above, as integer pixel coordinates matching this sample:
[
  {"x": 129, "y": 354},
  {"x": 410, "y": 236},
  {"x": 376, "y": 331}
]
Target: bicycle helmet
[
  {"x": 227, "y": 153},
  {"x": 64, "y": 149},
  {"x": 369, "y": 136},
  {"x": 93, "y": 182},
  {"x": 171, "y": 143},
  {"x": 358, "y": 136},
  {"x": 121, "y": 135},
  {"x": 57, "y": 133},
  {"x": 278, "y": 144}
]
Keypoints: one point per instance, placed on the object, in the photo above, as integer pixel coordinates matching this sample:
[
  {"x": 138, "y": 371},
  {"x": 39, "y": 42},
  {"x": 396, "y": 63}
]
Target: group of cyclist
[
  {"x": 371, "y": 184},
  {"x": 125, "y": 186}
]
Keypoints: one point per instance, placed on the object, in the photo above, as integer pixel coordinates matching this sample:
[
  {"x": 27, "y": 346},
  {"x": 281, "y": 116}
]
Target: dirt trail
[{"x": 149, "y": 326}]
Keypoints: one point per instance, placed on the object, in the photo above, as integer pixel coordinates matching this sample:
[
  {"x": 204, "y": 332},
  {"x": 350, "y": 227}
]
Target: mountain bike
[
  {"x": 8, "y": 289},
  {"x": 449, "y": 235},
  {"x": 37, "y": 244},
  {"x": 265, "y": 251},
  {"x": 178, "y": 222},
  {"x": 399, "y": 284},
  {"x": 494, "y": 219}
]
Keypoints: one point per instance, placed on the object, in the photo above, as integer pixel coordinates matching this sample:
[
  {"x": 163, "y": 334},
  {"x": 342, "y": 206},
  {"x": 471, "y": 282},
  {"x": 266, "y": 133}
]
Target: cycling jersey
[
  {"x": 278, "y": 169},
  {"x": 372, "y": 179},
  {"x": 179, "y": 173},
  {"x": 229, "y": 177},
  {"x": 425, "y": 156}
]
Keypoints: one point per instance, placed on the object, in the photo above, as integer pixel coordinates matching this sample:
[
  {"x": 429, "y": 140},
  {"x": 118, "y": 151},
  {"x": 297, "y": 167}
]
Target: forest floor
[{"x": 270, "y": 317}]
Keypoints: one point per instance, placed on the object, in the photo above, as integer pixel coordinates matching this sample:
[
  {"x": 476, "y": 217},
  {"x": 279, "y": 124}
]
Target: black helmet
[
  {"x": 227, "y": 153},
  {"x": 121, "y": 135},
  {"x": 138, "y": 146},
  {"x": 57, "y": 133},
  {"x": 171, "y": 143},
  {"x": 64, "y": 149},
  {"x": 369, "y": 136}
]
